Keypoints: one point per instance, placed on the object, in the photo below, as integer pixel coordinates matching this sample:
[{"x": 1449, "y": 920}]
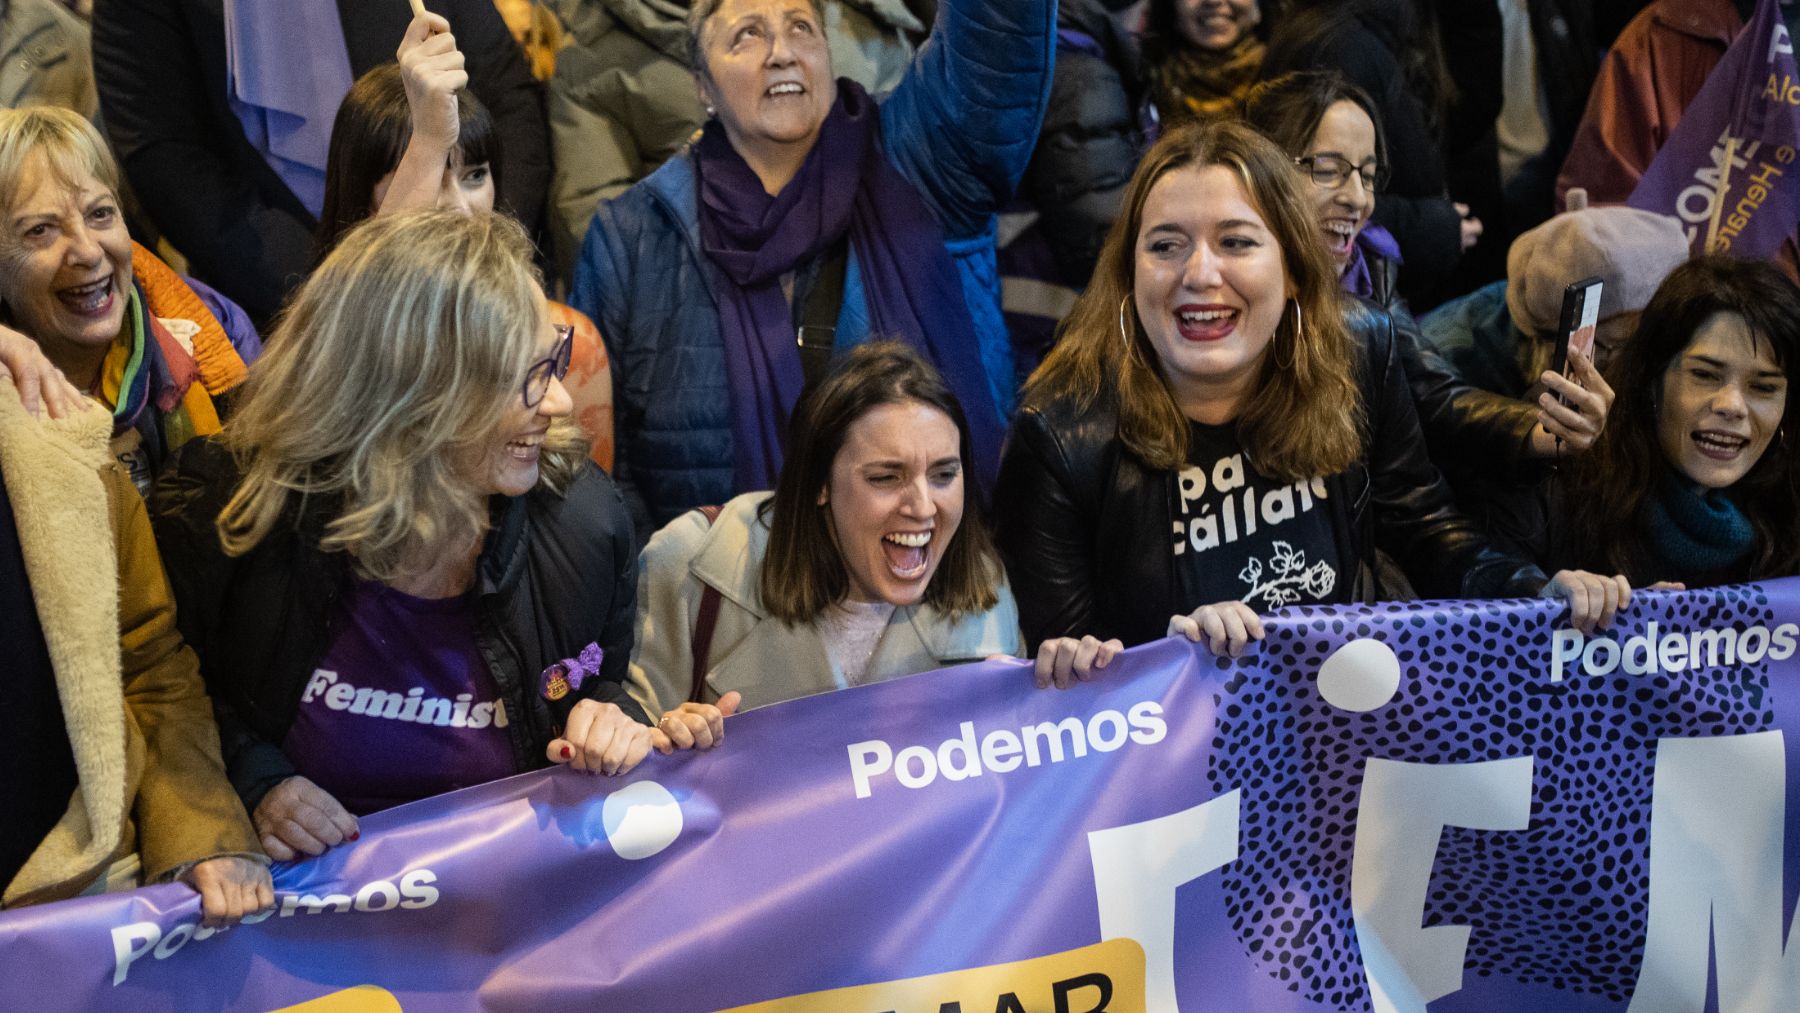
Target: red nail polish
[
  {"x": 567, "y": 752},
  {"x": 356, "y": 835}
]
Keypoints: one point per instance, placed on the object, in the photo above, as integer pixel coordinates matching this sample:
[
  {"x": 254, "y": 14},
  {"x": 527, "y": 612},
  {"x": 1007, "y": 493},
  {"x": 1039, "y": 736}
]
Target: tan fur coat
[{"x": 139, "y": 721}]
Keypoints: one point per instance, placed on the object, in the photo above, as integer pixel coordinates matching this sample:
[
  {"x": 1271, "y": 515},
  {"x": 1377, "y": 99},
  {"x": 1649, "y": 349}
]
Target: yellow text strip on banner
[
  {"x": 360, "y": 999},
  {"x": 1106, "y": 976}
]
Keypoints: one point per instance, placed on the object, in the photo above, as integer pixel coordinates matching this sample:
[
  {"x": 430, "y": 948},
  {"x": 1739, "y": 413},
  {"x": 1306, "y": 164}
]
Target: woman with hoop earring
[{"x": 1211, "y": 438}]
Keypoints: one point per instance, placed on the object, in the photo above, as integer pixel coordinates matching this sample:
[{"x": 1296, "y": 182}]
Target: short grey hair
[{"x": 702, "y": 11}]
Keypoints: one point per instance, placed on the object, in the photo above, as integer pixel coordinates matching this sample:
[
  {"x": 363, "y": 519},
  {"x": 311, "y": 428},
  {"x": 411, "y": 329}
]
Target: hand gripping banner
[{"x": 1466, "y": 806}]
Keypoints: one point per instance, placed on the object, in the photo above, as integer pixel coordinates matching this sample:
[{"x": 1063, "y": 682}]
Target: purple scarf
[
  {"x": 1372, "y": 241},
  {"x": 911, "y": 286}
]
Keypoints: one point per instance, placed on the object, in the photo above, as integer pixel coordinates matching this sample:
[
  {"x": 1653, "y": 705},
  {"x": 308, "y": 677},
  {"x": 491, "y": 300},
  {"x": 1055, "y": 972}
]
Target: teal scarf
[{"x": 1695, "y": 531}]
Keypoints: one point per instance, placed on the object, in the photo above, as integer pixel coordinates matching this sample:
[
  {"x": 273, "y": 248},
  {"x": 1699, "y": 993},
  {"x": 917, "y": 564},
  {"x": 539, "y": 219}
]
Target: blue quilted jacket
[{"x": 960, "y": 128}]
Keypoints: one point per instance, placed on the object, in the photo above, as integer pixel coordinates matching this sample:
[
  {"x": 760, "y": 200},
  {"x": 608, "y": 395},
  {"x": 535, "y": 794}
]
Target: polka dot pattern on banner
[{"x": 1561, "y": 904}]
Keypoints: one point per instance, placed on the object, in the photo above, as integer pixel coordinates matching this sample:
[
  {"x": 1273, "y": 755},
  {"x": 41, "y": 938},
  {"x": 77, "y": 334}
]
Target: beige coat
[
  {"x": 761, "y": 657},
  {"x": 139, "y": 721}
]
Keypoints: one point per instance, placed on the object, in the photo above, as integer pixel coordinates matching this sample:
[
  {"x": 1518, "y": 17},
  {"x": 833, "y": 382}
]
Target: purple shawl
[{"x": 911, "y": 286}]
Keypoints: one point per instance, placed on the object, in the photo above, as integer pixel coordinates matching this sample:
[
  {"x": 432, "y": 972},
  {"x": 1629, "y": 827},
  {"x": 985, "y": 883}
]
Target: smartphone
[{"x": 1580, "y": 316}]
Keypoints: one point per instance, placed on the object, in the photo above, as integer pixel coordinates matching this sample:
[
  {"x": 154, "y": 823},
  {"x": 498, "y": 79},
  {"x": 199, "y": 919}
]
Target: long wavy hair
[
  {"x": 1627, "y": 465},
  {"x": 803, "y": 571},
  {"x": 1305, "y": 416},
  {"x": 384, "y": 386}
]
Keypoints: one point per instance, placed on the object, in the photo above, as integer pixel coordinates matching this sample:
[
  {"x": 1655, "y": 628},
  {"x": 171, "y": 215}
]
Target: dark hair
[
  {"x": 803, "y": 571},
  {"x": 1627, "y": 464},
  {"x": 368, "y": 137},
  {"x": 1305, "y": 417},
  {"x": 1289, "y": 108}
]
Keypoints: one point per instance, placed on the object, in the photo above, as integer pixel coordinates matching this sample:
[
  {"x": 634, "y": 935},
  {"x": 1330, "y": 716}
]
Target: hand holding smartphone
[{"x": 1580, "y": 318}]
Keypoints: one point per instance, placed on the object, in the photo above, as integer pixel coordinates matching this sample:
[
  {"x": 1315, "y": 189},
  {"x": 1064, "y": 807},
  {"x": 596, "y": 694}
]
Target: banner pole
[{"x": 1712, "y": 227}]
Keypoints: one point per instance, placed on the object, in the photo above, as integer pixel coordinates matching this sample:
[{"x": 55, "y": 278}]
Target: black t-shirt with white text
[{"x": 1240, "y": 536}]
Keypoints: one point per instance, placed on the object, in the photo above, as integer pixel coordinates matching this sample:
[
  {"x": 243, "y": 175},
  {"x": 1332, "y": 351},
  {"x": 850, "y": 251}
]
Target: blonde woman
[
  {"x": 154, "y": 348},
  {"x": 400, "y": 572}
]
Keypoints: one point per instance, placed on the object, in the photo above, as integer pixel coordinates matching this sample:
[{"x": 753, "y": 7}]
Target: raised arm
[
  {"x": 432, "y": 72},
  {"x": 962, "y": 125}
]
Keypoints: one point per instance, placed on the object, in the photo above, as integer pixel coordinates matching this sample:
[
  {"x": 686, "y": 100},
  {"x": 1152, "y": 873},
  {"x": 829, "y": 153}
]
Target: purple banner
[
  {"x": 1466, "y": 805},
  {"x": 1727, "y": 170}
]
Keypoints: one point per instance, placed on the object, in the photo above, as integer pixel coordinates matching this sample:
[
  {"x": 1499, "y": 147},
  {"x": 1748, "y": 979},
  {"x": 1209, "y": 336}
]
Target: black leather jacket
[
  {"x": 1469, "y": 431},
  {"x": 556, "y": 574},
  {"x": 1086, "y": 531}
]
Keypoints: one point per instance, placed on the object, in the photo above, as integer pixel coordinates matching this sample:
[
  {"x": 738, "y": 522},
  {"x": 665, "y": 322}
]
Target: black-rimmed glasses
[
  {"x": 1333, "y": 171},
  {"x": 554, "y": 366}
]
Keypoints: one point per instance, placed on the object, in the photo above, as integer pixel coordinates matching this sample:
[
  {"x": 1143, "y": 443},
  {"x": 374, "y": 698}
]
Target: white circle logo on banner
[
  {"x": 641, "y": 819},
  {"x": 1360, "y": 676}
]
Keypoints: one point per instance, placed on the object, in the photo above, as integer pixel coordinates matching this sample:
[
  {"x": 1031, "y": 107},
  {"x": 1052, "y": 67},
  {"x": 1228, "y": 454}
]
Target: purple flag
[{"x": 1728, "y": 170}]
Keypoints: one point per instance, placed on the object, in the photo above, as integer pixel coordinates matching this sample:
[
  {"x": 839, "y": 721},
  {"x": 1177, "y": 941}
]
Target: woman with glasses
[
  {"x": 400, "y": 573},
  {"x": 1330, "y": 129},
  {"x": 1392, "y": 50},
  {"x": 1328, "y": 126}
]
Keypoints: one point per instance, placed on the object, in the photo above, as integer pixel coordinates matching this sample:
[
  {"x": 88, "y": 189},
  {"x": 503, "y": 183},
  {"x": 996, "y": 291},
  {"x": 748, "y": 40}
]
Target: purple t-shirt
[{"x": 402, "y": 706}]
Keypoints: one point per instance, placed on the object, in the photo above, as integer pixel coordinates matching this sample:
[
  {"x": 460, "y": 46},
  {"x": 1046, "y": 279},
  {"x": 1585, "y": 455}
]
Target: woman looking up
[{"x": 808, "y": 209}]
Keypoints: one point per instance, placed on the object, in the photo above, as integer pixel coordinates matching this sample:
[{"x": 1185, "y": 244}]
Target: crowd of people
[{"x": 391, "y": 406}]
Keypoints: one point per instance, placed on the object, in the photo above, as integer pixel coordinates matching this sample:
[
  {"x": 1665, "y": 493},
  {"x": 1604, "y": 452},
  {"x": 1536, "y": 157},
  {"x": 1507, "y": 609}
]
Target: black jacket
[
  {"x": 1466, "y": 429},
  {"x": 1090, "y": 141},
  {"x": 1086, "y": 537},
  {"x": 556, "y": 574},
  {"x": 160, "y": 69}
]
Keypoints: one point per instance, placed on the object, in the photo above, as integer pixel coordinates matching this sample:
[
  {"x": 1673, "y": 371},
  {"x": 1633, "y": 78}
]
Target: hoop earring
[
  {"x": 1299, "y": 331},
  {"x": 1124, "y": 330}
]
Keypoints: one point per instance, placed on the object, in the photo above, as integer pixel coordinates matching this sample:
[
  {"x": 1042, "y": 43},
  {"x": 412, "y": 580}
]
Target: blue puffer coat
[{"x": 960, "y": 128}]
